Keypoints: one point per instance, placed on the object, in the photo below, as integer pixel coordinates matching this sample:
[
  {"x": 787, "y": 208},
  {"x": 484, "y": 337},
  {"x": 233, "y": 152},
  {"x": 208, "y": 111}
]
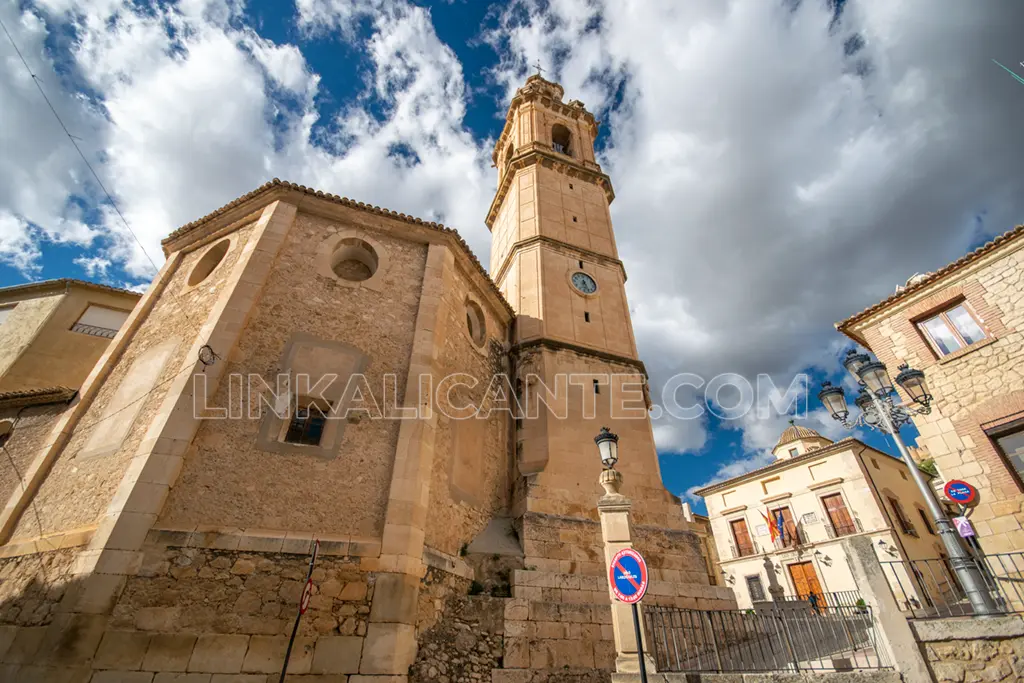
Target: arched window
[
  {"x": 508, "y": 153},
  {"x": 560, "y": 139}
]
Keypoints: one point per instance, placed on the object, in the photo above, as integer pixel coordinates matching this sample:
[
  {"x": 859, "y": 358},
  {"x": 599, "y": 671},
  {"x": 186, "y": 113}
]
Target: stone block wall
[
  {"x": 976, "y": 388},
  {"x": 968, "y": 650}
]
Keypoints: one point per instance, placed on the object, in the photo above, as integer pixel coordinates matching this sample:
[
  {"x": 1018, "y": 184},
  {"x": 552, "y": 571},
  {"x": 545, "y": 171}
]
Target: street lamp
[
  {"x": 608, "y": 447},
  {"x": 879, "y": 411}
]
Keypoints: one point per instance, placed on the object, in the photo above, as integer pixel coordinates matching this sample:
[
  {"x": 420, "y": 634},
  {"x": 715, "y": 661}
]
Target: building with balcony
[
  {"x": 778, "y": 528},
  {"x": 963, "y": 325}
]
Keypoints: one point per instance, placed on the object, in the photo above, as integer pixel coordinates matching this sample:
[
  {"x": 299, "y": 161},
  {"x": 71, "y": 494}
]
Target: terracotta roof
[
  {"x": 928, "y": 279},
  {"x": 63, "y": 283},
  {"x": 33, "y": 397},
  {"x": 795, "y": 433},
  {"x": 278, "y": 184}
]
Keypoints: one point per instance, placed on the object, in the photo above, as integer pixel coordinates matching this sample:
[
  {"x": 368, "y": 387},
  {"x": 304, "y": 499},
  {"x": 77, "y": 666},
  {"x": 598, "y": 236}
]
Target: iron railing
[
  {"x": 838, "y": 530},
  {"x": 775, "y": 638},
  {"x": 94, "y": 330},
  {"x": 827, "y": 599},
  {"x": 929, "y": 588}
]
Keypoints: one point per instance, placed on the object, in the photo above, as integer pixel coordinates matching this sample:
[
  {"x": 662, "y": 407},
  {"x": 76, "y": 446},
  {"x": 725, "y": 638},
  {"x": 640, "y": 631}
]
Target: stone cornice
[
  {"x": 932, "y": 280},
  {"x": 36, "y": 397},
  {"x": 555, "y": 345},
  {"x": 536, "y": 153},
  {"x": 309, "y": 199},
  {"x": 543, "y": 239},
  {"x": 47, "y": 286}
]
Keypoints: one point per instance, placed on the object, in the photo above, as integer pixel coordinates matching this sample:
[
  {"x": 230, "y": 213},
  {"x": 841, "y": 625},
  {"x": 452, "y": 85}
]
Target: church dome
[
  {"x": 797, "y": 440},
  {"x": 794, "y": 432}
]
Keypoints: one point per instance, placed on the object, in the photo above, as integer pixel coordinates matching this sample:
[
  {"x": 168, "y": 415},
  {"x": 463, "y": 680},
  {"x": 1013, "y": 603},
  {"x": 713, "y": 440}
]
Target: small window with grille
[{"x": 755, "y": 588}]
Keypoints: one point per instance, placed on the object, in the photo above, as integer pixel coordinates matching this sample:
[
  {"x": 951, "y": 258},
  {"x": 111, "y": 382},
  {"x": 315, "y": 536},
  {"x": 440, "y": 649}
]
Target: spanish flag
[{"x": 771, "y": 527}]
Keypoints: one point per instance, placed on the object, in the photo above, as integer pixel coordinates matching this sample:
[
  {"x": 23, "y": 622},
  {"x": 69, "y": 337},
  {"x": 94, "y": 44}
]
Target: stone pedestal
[{"x": 613, "y": 508}]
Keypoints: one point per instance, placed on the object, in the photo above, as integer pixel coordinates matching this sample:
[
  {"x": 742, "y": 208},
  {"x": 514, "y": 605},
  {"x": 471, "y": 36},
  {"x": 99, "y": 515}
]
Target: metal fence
[
  {"x": 928, "y": 588},
  {"x": 826, "y": 599},
  {"x": 777, "y": 638}
]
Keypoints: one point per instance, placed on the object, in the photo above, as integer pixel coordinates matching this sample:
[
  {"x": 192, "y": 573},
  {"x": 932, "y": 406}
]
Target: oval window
[
  {"x": 354, "y": 260},
  {"x": 209, "y": 261},
  {"x": 476, "y": 325}
]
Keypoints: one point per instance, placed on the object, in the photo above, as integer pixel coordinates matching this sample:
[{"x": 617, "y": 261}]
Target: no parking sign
[{"x": 628, "y": 576}]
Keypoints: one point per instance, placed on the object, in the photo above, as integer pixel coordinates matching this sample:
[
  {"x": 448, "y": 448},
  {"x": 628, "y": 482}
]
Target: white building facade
[{"x": 823, "y": 492}]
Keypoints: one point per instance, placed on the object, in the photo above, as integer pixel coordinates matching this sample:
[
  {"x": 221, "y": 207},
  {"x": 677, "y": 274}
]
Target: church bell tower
[{"x": 553, "y": 256}]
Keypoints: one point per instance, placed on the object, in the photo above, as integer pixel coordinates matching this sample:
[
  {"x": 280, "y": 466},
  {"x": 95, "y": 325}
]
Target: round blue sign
[
  {"x": 960, "y": 491},
  {"x": 628, "y": 574}
]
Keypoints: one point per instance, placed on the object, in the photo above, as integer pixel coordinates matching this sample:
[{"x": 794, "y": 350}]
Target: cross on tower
[{"x": 537, "y": 67}]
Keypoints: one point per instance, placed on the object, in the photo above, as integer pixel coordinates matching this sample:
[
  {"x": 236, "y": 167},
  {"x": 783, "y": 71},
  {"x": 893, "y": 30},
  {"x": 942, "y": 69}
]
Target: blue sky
[{"x": 778, "y": 165}]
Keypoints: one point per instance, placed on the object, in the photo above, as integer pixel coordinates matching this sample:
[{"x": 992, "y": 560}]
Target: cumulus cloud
[
  {"x": 184, "y": 108},
  {"x": 779, "y": 166}
]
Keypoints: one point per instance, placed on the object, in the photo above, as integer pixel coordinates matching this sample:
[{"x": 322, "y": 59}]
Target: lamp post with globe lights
[
  {"x": 879, "y": 410},
  {"x": 613, "y": 509}
]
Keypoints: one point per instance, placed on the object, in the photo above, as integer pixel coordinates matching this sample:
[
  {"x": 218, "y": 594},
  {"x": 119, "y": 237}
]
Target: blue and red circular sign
[
  {"x": 960, "y": 491},
  {"x": 628, "y": 576}
]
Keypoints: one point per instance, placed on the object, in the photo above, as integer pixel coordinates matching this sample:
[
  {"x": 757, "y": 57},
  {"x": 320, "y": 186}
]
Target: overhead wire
[{"x": 95, "y": 175}]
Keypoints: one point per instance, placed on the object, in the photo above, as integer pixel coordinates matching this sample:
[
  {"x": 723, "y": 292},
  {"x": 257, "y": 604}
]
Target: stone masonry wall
[
  {"x": 31, "y": 586},
  {"x": 470, "y": 474},
  {"x": 974, "y": 388},
  {"x": 29, "y": 437},
  {"x": 973, "y": 650},
  {"x": 77, "y": 490},
  {"x": 226, "y": 480}
]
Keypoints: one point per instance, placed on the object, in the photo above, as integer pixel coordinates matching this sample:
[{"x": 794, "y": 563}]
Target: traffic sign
[
  {"x": 628, "y": 576},
  {"x": 963, "y": 527},
  {"x": 960, "y": 491}
]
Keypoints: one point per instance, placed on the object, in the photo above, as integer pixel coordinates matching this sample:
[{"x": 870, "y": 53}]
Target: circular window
[
  {"x": 354, "y": 260},
  {"x": 475, "y": 323},
  {"x": 209, "y": 261},
  {"x": 584, "y": 283}
]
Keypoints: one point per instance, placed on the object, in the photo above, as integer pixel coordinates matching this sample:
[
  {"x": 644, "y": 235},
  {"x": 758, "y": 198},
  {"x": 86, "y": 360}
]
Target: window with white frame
[{"x": 952, "y": 329}]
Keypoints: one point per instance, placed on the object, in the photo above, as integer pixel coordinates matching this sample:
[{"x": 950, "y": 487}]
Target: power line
[{"x": 72, "y": 138}]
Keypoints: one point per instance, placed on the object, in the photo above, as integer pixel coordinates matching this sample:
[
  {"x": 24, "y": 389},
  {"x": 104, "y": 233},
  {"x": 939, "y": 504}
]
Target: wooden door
[
  {"x": 805, "y": 579},
  {"x": 744, "y": 544},
  {"x": 838, "y": 515}
]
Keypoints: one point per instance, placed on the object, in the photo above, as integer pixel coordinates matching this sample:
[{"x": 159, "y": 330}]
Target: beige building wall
[
  {"x": 864, "y": 477},
  {"x": 39, "y": 348},
  {"x": 976, "y": 389}
]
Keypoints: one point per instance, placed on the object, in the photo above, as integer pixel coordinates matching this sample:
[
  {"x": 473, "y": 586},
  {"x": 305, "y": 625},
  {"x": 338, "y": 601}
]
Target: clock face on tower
[{"x": 584, "y": 283}]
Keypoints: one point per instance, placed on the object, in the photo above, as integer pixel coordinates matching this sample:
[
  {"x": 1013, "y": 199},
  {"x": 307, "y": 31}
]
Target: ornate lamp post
[
  {"x": 879, "y": 410},
  {"x": 613, "y": 509}
]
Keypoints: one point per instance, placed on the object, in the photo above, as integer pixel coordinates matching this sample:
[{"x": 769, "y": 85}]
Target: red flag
[{"x": 771, "y": 527}]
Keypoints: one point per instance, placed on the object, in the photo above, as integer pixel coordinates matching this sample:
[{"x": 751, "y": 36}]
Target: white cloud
[
  {"x": 187, "y": 109},
  {"x": 94, "y": 266},
  {"x": 771, "y": 180}
]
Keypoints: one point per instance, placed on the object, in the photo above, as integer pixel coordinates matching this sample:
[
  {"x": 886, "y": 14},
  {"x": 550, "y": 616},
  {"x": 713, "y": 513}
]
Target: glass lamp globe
[{"x": 608, "y": 447}]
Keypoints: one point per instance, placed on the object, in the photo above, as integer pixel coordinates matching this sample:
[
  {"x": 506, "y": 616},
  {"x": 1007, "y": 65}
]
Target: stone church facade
[{"x": 163, "y": 527}]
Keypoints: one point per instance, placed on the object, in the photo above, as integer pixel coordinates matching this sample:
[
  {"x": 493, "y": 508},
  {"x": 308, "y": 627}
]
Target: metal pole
[
  {"x": 639, "y": 643},
  {"x": 298, "y": 617},
  {"x": 963, "y": 563}
]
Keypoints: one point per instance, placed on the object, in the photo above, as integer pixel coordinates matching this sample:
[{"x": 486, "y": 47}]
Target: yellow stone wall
[
  {"x": 57, "y": 356},
  {"x": 976, "y": 388}
]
